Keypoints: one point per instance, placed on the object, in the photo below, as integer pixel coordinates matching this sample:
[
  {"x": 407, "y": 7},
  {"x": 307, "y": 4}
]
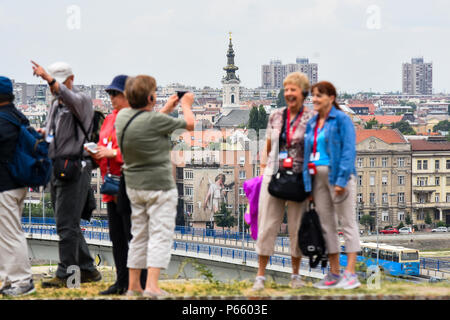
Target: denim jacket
[{"x": 340, "y": 139}]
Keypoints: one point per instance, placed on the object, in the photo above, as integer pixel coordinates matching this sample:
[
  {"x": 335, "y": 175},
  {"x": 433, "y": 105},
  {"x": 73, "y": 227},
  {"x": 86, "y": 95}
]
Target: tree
[
  {"x": 442, "y": 126},
  {"x": 367, "y": 220},
  {"x": 408, "y": 220},
  {"x": 281, "y": 102},
  {"x": 253, "y": 117},
  {"x": 262, "y": 118},
  {"x": 428, "y": 219},
  {"x": 371, "y": 123},
  {"x": 223, "y": 217},
  {"x": 404, "y": 127}
]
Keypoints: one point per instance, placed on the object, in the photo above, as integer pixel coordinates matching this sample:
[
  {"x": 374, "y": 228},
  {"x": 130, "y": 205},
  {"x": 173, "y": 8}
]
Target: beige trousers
[
  {"x": 15, "y": 267},
  {"x": 152, "y": 227},
  {"x": 270, "y": 216},
  {"x": 331, "y": 209}
]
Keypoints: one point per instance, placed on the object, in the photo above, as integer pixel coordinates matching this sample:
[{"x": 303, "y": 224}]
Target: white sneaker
[
  {"x": 21, "y": 290},
  {"x": 330, "y": 281},
  {"x": 296, "y": 281},
  {"x": 258, "y": 285},
  {"x": 348, "y": 281}
]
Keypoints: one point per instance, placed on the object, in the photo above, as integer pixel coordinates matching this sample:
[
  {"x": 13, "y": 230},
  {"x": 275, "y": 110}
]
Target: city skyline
[{"x": 359, "y": 45}]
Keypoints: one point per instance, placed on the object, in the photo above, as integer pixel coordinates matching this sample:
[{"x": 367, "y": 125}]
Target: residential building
[
  {"x": 273, "y": 74},
  {"x": 383, "y": 179},
  {"x": 417, "y": 77},
  {"x": 430, "y": 180}
]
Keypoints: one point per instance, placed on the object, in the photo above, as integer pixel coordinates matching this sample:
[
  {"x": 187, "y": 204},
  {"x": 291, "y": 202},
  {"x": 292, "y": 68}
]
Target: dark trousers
[
  {"x": 68, "y": 199},
  {"x": 120, "y": 235}
]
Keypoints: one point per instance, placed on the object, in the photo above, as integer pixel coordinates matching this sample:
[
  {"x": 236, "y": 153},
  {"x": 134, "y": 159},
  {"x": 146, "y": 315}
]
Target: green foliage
[
  {"x": 442, "y": 126},
  {"x": 281, "y": 102},
  {"x": 400, "y": 225},
  {"x": 404, "y": 127},
  {"x": 224, "y": 218},
  {"x": 371, "y": 123},
  {"x": 441, "y": 224},
  {"x": 367, "y": 220},
  {"x": 257, "y": 119},
  {"x": 408, "y": 219},
  {"x": 428, "y": 219}
]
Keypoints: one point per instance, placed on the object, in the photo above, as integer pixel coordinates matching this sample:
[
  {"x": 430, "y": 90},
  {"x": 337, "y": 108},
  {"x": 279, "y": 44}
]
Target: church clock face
[{"x": 232, "y": 89}]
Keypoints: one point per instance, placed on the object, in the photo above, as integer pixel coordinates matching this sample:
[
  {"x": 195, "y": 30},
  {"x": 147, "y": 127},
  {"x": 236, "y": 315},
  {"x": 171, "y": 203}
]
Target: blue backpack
[{"x": 30, "y": 164}]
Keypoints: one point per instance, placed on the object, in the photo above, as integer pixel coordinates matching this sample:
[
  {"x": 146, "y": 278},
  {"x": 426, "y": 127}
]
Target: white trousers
[
  {"x": 152, "y": 227},
  {"x": 15, "y": 267}
]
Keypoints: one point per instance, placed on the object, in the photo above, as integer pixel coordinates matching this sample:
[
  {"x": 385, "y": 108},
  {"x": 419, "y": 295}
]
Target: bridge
[
  {"x": 229, "y": 255},
  {"x": 226, "y": 254}
]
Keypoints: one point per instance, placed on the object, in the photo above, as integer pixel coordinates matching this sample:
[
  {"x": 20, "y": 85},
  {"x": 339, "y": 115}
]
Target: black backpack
[{"x": 310, "y": 238}]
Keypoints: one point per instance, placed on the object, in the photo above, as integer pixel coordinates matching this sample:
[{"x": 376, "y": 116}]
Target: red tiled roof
[
  {"x": 387, "y": 135},
  {"x": 424, "y": 145},
  {"x": 382, "y": 119}
]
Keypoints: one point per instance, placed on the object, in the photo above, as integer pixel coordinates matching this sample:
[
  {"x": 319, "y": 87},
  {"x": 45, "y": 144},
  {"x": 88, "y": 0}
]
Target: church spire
[{"x": 230, "y": 68}]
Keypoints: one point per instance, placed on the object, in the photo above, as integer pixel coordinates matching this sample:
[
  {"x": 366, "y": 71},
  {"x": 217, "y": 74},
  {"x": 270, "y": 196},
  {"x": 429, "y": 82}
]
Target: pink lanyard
[{"x": 288, "y": 126}]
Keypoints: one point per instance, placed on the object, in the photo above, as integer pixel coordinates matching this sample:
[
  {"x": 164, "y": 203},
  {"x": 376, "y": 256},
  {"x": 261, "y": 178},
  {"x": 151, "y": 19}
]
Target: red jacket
[{"x": 108, "y": 138}]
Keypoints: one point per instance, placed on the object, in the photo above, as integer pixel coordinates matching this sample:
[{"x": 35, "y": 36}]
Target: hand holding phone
[
  {"x": 180, "y": 94},
  {"x": 91, "y": 147}
]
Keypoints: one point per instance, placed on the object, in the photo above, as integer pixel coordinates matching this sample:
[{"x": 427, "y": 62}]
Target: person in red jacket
[{"x": 109, "y": 159}]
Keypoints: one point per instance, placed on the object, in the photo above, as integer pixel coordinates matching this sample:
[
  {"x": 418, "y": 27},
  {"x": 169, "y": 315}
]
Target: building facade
[
  {"x": 430, "y": 181},
  {"x": 417, "y": 77},
  {"x": 383, "y": 177},
  {"x": 273, "y": 74}
]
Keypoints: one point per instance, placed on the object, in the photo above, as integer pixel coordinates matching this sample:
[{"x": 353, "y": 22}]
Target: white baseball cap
[{"x": 60, "y": 71}]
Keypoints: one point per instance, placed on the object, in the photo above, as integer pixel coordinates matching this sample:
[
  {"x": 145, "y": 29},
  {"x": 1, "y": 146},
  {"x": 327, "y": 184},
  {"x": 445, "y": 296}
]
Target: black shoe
[
  {"x": 56, "y": 282},
  {"x": 114, "y": 289},
  {"x": 90, "y": 276}
]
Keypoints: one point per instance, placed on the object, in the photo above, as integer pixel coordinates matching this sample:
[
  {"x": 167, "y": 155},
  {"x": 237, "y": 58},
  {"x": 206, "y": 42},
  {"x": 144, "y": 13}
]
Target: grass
[{"x": 204, "y": 288}]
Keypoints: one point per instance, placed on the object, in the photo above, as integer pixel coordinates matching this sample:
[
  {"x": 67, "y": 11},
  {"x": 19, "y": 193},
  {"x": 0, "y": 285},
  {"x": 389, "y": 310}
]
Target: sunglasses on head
[{"x": 113, "y": 93}]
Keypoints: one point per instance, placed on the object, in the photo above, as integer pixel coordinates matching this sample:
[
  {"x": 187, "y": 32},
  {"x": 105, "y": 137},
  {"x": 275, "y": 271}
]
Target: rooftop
[
  {"x": 386, "y": 135},
  {"x": 424, "y": 145}
]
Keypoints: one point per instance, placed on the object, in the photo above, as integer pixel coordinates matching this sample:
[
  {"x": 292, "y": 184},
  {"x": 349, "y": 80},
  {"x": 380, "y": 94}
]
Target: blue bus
[{"x": 393, "y": 260}]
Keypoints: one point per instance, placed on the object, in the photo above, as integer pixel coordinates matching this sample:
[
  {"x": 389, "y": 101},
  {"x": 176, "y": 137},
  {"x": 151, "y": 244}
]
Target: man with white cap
[{"x": 69, "y": 120}]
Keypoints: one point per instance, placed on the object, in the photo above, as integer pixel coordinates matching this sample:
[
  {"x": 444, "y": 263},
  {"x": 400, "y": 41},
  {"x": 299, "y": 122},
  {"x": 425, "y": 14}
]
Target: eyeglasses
[{"x": 113, "y": 93}]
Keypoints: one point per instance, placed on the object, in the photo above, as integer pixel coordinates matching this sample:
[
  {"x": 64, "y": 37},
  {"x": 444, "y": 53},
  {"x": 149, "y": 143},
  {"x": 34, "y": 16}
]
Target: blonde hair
[
  {"x": 299, "y": 79},
  {"x": 137, "y": 90}
]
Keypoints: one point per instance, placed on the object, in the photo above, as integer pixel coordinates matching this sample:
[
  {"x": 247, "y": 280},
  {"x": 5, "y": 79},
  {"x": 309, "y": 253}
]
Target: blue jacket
[{"x": 340, "y": 139}]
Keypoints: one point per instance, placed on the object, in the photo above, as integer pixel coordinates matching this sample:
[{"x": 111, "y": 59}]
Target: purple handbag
[{"x": 252, "y": 187}]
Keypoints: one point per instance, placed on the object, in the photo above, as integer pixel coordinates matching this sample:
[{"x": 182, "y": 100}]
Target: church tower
[{"x": 230, "y": 81}]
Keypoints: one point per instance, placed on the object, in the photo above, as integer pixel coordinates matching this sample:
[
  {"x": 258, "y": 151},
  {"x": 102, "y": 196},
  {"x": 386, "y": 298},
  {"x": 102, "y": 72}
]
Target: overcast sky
[{"x": 360, "y": 45}]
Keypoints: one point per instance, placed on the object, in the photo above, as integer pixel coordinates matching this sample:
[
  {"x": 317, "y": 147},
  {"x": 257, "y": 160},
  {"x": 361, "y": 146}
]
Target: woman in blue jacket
[{"x": 329, "y": 172}]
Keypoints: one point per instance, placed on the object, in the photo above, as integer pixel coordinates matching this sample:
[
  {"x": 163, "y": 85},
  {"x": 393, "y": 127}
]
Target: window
[
  {"x": 422, "y": 181},
  {"x": 447, "y": 180},
  {"x": 189, "y": 175},
  {"x": 384, "y": 197},
  {"x": 436, "y": 164},
  {"x": 384, "y": 162},
  {"x": 437, "y": 197},
  {"x": 242, "y": 174},
  {"x": 372, "y": 180},
  {"x": 188, "y": 191},
  {"x": 385, "y": 216},
  {"x": 437, "y": 181},
  {"x": 372, "y": 162},
  {"x": 419, "y": 164},
  {"x": 360, "y": 178},
  {"x": 384, "y": 180},
  {"x": 189, "y": 208},
  {"x": 401, "y": 216},
  {"x": 359, "y": 197},
  {"x": 401, "y": 197},
  {"x": 372, "y": 197},
  {"x": 421, "y": 198},
  {"x": 360, "y": 162},
  {"x": 425, "y": 164},
  {"x": 241, "y": 191},
  {"x": 401, "y": 180},
  {"x": 401, "y": 162},
  {"x": 447, "y": 197},
  {"x": 447, "y": 164}
]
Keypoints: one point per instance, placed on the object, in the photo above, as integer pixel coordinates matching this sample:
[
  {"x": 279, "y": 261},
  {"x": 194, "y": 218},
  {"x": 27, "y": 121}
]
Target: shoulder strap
[
  {"x": 283, "y": 127},
  {"x": 126, "y": 126}
]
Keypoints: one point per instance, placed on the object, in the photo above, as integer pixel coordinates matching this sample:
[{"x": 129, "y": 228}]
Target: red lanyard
[{"x": 288, "y": 126}]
